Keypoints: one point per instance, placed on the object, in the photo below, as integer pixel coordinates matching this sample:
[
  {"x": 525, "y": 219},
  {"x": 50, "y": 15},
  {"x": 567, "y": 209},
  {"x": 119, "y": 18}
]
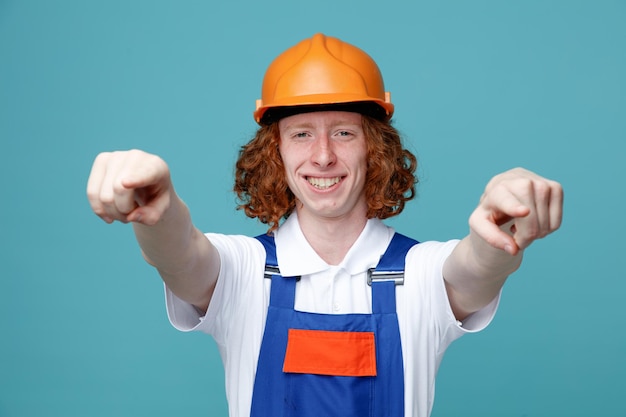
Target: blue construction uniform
[{"x": 347, "y": 365}]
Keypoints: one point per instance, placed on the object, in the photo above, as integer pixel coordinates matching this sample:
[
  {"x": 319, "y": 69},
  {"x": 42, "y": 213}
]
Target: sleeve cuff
[
  {"x": 479, "y": 320},
  {"x": 182, "y": 315}
]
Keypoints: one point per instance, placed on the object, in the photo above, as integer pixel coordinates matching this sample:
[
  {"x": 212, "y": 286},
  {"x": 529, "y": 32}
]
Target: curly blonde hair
[{"x": 261, "y": 185}]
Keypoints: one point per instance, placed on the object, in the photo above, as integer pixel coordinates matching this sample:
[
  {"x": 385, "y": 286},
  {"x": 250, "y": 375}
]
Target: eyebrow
[
  {"x": 303, "y": 125},
  {"x": 308, "y": 125}
]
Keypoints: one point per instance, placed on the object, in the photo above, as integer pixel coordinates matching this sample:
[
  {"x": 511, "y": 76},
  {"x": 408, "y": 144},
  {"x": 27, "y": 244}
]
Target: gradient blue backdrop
[{"x": 480, "y": 86}]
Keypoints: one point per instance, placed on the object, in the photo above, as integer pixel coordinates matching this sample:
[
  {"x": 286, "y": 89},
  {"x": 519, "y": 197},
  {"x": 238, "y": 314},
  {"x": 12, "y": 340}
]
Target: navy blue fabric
[
  {"x": 270, "y": 249},
  {"x": 394, "y": 256},
  {"x": 277, "y": 393}
]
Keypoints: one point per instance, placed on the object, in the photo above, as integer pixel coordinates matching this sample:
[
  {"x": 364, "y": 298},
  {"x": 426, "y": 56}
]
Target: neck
[{"x": 332, "y": 238}]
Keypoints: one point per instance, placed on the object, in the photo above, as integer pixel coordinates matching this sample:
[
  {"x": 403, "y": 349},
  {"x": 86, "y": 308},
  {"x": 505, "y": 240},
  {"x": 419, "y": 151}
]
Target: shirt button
[{"x": 336, "y": 307}]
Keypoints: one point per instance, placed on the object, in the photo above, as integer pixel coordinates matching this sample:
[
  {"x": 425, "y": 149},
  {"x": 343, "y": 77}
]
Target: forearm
[
  {"x": 185, "y": 259},
  {"x": 475, "y": 272}
]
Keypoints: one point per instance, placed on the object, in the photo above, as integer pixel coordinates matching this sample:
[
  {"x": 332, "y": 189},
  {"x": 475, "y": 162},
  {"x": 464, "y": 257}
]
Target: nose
[{"x": 323, "y": 154}]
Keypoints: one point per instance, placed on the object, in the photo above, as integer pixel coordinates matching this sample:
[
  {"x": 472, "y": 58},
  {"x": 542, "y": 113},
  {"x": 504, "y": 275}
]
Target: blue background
[{"x": 480, "y": 87}]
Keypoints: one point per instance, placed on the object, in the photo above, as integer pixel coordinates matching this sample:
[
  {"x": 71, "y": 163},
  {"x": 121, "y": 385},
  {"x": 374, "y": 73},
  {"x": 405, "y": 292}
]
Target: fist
[{"x": 129, "y": 186}]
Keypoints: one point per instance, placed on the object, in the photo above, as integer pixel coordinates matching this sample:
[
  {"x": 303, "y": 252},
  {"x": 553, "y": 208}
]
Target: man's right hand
[{"x": 129, "y": 186}]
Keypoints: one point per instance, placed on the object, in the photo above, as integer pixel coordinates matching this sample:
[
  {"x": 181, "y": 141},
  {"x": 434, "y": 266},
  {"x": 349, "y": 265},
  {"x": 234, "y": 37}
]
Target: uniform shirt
[{"x": 236, "y": 315}]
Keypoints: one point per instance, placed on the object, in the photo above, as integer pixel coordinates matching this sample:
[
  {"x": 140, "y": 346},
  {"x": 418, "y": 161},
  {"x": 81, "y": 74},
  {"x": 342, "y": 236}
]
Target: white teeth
[{"x": 323, "y": 183}]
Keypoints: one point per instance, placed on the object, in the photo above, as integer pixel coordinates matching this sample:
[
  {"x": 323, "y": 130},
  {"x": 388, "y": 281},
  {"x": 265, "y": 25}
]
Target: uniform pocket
[{"x": 333, "y": 353}]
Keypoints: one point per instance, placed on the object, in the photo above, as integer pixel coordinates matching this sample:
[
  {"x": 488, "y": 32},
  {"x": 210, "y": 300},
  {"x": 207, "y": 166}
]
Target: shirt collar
[{"x": 296, "y": 257}]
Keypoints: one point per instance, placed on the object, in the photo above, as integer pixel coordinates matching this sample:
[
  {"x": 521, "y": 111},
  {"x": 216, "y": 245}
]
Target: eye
[
  {"x": 344, "y": 134},
  {"x": 299, "y": 135}
]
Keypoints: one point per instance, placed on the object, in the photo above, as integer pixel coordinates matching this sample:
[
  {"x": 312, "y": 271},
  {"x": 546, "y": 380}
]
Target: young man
[{"x": 321, "y": 334}]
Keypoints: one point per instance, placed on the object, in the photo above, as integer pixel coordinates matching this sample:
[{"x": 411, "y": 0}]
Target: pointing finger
[{"x": 482, "y": 224}]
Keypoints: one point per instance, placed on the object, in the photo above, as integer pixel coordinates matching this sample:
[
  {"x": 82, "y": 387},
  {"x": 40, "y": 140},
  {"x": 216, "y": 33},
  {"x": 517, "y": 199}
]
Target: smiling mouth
[{"x": 323, "y": 183}]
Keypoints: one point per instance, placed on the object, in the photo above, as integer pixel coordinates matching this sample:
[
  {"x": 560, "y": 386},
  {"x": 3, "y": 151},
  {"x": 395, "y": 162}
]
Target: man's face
[{"x": 325, "y": 158}]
